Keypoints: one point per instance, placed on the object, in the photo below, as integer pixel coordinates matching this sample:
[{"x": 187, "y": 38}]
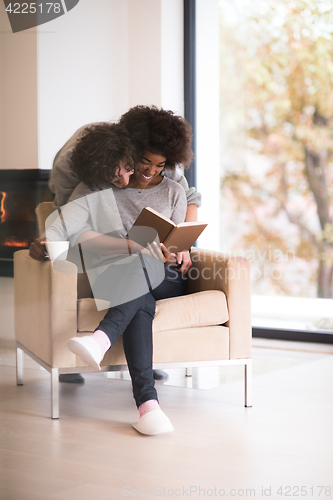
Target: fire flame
[
  {"x": 10, "y": 242},
  {"x": 22, "y": 244},
  {"x": 2, "y": 206}
]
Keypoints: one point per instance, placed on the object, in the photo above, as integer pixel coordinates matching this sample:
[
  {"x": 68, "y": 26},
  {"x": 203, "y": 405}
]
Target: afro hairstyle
[{"x": 159, "y": 132}]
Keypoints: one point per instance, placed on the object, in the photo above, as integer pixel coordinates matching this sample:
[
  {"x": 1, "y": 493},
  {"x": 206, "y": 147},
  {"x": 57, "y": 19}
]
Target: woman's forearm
[
  {"x": 107, "y": 245},
  {"x": 191, "y": 213}
]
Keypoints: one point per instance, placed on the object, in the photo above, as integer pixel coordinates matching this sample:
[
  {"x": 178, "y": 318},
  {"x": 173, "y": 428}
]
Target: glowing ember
[
  {"x": 2, "y": 207},
  {"x": 15, "y": 244}
]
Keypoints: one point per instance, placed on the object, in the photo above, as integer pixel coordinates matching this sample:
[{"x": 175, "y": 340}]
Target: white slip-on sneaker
[
  {"x": 154, "y": 422},
  {"x": 87, "y": 350}
]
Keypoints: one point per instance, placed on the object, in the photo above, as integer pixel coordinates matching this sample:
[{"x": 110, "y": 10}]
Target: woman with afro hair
[{"x": 161, "y": 131}]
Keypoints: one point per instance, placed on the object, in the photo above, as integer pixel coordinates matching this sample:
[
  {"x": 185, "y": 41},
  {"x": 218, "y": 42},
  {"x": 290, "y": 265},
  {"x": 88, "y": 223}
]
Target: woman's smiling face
[{"x": 146, "y": 172}]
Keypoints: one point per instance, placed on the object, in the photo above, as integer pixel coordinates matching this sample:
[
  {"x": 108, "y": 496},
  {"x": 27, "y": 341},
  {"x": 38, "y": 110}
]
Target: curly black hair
[
  {"x": 159, "y": 132},
  {"x": 96, "y": 156}
]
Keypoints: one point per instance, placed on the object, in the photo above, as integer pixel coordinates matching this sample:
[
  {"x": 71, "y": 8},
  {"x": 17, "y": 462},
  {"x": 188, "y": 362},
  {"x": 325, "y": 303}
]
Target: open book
[{"x": 176, "y": 237}]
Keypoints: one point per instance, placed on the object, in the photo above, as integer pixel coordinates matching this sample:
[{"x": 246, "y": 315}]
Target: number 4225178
[{"x": 32, "y": 8}]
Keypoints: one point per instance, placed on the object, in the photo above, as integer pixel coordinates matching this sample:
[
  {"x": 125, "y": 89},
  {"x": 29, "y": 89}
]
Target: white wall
[
  {"x": 144, "y": 25},
  {"x": 172, "y": 56},
  {"x": 90, "y": 64},
  {"x": 82, "y": 71},
  {"x": 156, "y": 53},
  {"x": 102, "y": 60},
  {"x": 208, "y": 138}
]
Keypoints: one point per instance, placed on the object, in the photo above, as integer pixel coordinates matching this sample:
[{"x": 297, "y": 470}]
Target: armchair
[{"x": 209, "y": 326}]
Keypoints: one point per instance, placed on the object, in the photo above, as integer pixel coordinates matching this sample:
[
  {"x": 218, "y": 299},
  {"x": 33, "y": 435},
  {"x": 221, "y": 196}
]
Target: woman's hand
[
  {"x": 180, "y": 261},
  {"x": 183, "y": 262},
  {"x": 159, "y": 252},
  {"x": 37, "y": 249}
]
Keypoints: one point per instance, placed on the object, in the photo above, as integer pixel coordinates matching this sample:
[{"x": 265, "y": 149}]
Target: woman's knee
[{"x": 150, "y": 304}]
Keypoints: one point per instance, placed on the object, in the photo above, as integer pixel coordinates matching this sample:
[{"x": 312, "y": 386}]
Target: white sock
[
  {"x": 102, "y": 340},
  {"x": 87, "y": 349}
]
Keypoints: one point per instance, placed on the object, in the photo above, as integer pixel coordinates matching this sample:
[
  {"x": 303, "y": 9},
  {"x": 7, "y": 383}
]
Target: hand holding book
[{"x": 176, "y": 237}]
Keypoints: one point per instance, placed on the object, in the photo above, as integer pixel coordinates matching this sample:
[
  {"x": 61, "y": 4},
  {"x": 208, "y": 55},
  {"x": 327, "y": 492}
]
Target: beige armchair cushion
[
  {"x": 207, "y": 343},
  {"x": 196, "y": 310}
]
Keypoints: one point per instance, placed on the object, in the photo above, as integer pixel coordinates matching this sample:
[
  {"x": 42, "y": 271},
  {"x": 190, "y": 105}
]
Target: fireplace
[{"x": 20, "y": 193}]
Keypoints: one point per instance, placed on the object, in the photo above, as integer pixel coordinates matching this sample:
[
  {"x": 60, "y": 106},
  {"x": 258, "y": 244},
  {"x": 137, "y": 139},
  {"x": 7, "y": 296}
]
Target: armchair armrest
[
  {"x": 45, "y": 302},
  {"x": 217, "y": 271}
]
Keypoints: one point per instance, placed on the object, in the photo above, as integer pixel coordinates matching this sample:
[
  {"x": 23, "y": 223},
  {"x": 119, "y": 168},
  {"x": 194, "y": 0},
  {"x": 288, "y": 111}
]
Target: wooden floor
[{"x": 219, "y": 448}]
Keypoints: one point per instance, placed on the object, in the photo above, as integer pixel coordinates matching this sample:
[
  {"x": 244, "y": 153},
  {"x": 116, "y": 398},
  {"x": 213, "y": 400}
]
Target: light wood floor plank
[{"x": 92, "y": 452}]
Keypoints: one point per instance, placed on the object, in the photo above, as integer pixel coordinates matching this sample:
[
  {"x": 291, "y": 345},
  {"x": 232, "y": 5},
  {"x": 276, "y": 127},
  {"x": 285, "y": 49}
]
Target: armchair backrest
[{"x": 43, "y": 210}]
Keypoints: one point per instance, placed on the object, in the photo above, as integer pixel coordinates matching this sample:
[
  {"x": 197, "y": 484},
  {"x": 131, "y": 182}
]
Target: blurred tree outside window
[{"x": 276, "y": 110}]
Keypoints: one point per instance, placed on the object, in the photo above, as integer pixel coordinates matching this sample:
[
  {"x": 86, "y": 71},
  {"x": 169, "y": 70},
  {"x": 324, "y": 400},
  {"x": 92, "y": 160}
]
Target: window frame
[{"x": 190, "y": 81}]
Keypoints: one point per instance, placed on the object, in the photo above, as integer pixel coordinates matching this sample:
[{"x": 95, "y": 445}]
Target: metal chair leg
[
  {"x": 248, "y": 383},
  {"x": 54, "y": 393},
  {"x": 19, "y": 366}
]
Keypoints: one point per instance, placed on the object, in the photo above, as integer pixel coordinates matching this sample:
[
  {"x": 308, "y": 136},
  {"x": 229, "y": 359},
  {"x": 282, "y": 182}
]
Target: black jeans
[{"x": 134, "y": 319}]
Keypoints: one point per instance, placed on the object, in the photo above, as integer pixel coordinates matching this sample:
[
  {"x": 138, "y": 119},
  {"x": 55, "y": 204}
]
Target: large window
[{"x": 276, "y": 125}]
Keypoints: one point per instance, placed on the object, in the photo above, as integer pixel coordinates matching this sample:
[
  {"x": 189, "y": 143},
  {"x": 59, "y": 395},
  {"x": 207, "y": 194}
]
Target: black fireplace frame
[{"x": 35, "y": 180}]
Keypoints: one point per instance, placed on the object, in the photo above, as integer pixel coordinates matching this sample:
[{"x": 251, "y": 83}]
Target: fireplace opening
[
  {"x": 20, "y": 192},
  {"x": 18, "y": 225}
]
